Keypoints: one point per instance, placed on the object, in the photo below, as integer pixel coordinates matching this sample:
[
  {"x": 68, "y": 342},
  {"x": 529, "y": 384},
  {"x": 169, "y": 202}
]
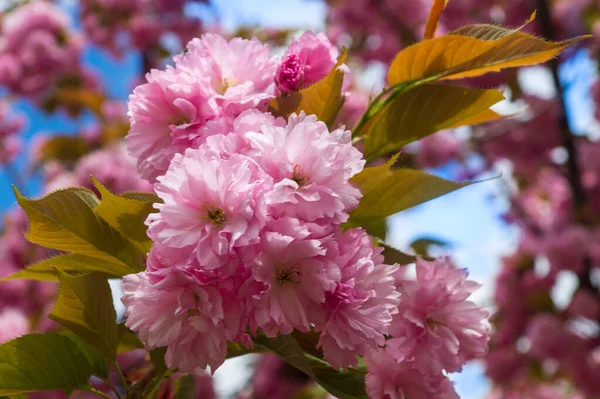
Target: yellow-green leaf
[
  {"x": 483, "y": 117},
  {"x": 323, "y": 99},
  {"x": 424, "y": 110},
  {"x": 403, "y": 189},
  {"x": 37, "y": 362},
  {"x": 488, "y": 31},
  {"x": 85, "y": 307},
  {"x": 459, "y": 56},
  {"x": 371, "y": 177},
  {"x": 45, "y": 270},
  {"x": 126, "y": 215},
  {"x": 65, "y": 220}
]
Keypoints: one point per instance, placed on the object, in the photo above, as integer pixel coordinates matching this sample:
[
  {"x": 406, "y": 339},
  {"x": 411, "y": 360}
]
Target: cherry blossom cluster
[
  {"x": 377, "y": 30},
  {"x": 248, "y": 237},
  {"x": 146, "y": 22},
  {"x": 37, "y": 47}
]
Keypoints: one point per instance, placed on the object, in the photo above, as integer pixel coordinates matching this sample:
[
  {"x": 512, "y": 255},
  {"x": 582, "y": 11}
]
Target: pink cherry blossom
[
  {"x": 210, "y": 206},
  {"x": 165, "y": 115},
  {"x": 360, "y": 308},
  {"x": 181, "y": 313},
  {"x": 388, "y": 379},
  {"x": 295, "y": 277},
  {"x": 310, "y": 168},
  {"x": 113, "y": 167},
  {"x": 308, "y": 59},
  {"x": 436, "y": 325},
  {"x": 39, "y": 46},
  {"x": 239, "y": 73}
]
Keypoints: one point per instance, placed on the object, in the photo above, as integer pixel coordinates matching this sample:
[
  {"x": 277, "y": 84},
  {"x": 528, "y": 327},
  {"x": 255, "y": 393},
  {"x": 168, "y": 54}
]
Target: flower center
[
  {"x": 194, "y": 311},
  {"x": 299, "y": 177},
  {"x": 226, "y": 83},
  {"x": 287, "y": 276},
  {"x": 215, "y": 215},
  {"x": 179, "y": 120}
]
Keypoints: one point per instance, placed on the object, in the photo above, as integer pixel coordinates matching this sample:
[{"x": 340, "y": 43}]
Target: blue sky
[{"x": 467, "y": 218}]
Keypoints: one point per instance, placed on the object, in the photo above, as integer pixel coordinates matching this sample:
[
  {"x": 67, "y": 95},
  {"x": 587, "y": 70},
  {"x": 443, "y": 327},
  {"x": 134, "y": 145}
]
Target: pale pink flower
[
  {"x": 182, "y": 313},
  {"x": 308, "y": 59},
  {"x": 239, "y": 73},
  {"x": 295, "y": 277},
  {"x": 388, "y": 379},
  {"x": 165, "y": 116},
  {"x": 211, "y": 206},
  {"x": 360, "y": 308},
  {"x": 13, "y": 324},
  {"x": 436, "y": 326},
  {"x": 310, "y": 168},
  {"x": 113, "y": 167}
]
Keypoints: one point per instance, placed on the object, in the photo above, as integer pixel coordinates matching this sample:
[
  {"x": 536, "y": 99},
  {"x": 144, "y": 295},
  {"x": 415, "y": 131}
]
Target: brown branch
[{"x": 573, "y": 166}]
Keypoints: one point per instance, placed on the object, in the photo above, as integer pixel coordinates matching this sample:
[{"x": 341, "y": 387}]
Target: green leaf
[
  {"x": 128, "y": 341},
  {"x": 393, "y": 255},
  {"x": 185, "y": 387},
  {"x": 100, "y": 366},
  {"x": 323, "y": 99},
  {"x": 376, "y": 227},
  {"x": 85, "y": 307},
  {"x": 45, "y": 270},
  {"x": 287, "y": 348},
  {"x": 65, "y": 220},
  {"x": 422, "y": 245},
  {"x": 402, "y": 189},
  {"x": 37, "y": 362},
  {"x": 424, "y": 110},
  {"x": 343, "y": 384},
  {"x": 157, "y": 356},
  {"x": 126, "y": 215}
]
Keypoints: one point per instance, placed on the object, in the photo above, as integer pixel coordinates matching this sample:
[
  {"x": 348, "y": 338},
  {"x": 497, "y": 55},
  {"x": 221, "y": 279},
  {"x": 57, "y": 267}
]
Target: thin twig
[{"x": 122, "y": 378}]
